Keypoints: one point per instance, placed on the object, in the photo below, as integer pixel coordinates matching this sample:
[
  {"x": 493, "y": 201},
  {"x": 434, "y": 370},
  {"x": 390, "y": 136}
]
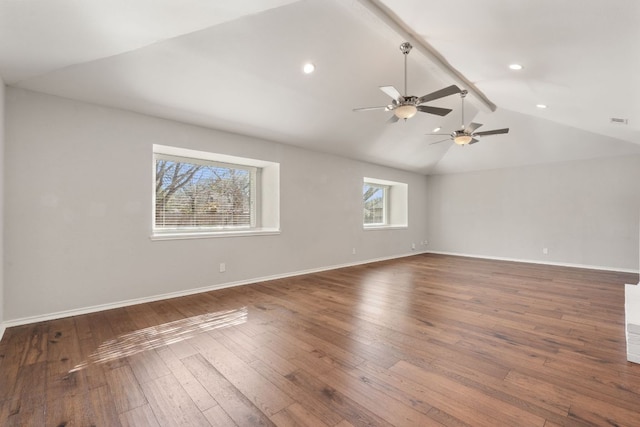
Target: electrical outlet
[
  {"x": 413, "y": 246},
  {"x": 223, "y": 267},
  {"x": 545, "y": 251},
  {"x": 353, "y": 251}
]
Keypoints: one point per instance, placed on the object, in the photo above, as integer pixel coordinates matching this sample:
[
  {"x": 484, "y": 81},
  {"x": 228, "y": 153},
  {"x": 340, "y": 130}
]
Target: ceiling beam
[{"x": 389, "y": 18}]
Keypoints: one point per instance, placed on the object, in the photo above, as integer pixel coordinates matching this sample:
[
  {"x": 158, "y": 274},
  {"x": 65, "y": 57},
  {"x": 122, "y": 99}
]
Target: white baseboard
[
  {"x": 101, "y": 307},
  {"x": 119, "y": 304},
  {"x": 537, "y": 261}
]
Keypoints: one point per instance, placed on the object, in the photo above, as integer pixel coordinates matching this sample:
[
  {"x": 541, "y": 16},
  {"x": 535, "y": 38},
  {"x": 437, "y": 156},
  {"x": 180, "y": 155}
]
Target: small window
[
  {"x": 375, "y": 198},
  {"x": 198, "y": 193},
  {"x": 385, "y": 204}
]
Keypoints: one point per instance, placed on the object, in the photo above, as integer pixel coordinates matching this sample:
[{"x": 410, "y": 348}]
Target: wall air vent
[{"x": 619, "y": 121}]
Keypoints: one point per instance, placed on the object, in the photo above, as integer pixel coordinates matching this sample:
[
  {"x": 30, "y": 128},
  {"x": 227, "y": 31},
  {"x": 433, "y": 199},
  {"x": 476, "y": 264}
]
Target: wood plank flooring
[{"x": 428, "y": 340}]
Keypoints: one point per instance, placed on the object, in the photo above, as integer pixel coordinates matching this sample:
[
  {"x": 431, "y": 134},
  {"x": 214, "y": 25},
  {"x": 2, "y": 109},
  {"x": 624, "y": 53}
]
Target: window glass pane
[
  {"x": 201, "y": 195},
  {"x": 374, "y": 204}
]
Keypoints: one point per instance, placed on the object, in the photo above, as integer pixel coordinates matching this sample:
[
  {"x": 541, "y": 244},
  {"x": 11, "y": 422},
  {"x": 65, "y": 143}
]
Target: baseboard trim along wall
[
  {"x": 536, "y": 261},
  {"x": 102, "y": 307},
  {"x": 119, "y": 304}
]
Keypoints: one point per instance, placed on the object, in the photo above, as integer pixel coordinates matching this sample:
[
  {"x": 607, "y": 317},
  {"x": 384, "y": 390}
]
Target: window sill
[
  {"x": 385, "y": 227},
  {"x": 186, "y": 235}
]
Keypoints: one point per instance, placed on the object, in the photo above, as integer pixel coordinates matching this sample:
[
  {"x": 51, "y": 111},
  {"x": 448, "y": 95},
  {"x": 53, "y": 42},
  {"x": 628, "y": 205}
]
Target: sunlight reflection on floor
[{"x": 156, "y": 336}]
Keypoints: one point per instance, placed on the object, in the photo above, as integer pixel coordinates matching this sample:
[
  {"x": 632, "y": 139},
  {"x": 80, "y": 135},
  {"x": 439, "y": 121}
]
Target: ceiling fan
[
  {"x": 406, "y": 106},
  {"x": 467, "y": 135}
]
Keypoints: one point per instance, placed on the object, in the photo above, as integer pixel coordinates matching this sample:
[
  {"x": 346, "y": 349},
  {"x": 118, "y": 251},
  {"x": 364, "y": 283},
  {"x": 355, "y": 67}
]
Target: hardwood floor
[{"x": 420, "y": 341}]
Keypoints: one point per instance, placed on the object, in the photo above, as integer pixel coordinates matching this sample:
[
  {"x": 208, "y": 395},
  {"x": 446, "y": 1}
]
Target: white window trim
[
  {"x": 396, "y": 205},
  {"x": 214, "y": 234},
  {"x": 266, "y": 200}
]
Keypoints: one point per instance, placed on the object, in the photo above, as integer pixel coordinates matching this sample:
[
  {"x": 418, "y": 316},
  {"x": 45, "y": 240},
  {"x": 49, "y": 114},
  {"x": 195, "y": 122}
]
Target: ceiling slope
[
  {"x": 531, "y": 140},
  {"x": 236, "y": 66},
  {"x": 580, "y": 57},
  {"x": 42, "y": 36}
]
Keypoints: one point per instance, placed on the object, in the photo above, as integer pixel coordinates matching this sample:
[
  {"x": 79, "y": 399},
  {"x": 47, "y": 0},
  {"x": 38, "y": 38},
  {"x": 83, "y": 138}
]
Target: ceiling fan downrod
[
  {"x": 405, "y": 48},
  {"x": 463, "y": 94}
]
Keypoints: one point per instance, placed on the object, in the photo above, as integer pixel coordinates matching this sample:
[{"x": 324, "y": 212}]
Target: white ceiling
[{"x": 236, "y": 66}]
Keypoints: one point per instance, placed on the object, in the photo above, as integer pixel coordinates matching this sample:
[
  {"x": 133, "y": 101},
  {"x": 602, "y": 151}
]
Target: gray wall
[
  {"x": 78, "y": 220},
  {"x": 2, "y": 172},
  {"x": 585, "y": 212}
]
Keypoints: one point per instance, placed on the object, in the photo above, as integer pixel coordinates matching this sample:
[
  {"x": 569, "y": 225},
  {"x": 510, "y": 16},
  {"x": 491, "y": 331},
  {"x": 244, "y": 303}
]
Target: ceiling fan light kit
[
  {"x": 462, "y": 139},
  {"x": 405, "y": 111},
  {"x": 406, "y": 106}
]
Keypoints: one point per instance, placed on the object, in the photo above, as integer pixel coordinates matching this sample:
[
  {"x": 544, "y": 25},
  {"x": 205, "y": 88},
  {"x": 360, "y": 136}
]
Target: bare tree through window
[{"x": 200, "y": 195}]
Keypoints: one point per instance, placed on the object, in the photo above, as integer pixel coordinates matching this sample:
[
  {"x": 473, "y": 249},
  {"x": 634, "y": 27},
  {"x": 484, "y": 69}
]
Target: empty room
[{"x": 319, "y": 213}]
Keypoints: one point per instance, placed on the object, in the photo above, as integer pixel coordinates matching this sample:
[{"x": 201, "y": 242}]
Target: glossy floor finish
[{"x": 424, "y": 340}]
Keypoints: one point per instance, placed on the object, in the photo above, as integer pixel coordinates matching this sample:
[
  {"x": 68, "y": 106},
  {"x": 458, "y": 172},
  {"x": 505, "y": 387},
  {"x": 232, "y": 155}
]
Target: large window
[
  {"x": 206, "y": 193},
  {"x": 192, "y": 193},
  {"x": 385, "y": 204}
]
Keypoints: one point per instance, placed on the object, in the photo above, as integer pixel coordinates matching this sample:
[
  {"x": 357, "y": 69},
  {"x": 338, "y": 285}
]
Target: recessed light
[
  {"x": 516, "y": 67},
  {"x": 308, "y": 68},
  {"x": 541, "y": 106},
  {"x": 437, "y": 129}
]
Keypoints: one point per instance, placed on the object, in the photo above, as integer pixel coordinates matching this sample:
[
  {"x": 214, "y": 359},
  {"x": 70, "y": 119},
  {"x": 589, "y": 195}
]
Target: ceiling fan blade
[
  {"x": 449, "y": 90},
  {"x": 472, "y": 127},
  {"x": 473, "y": 141},
  {"x": 384, "y": 107},
  {"x": 392, "y": 92},
  {"x": 434, "y": 110},
  {"x": 438, "y": 134},
  {"x": 393, "y": 119},
  {"x": 438, "y": 142},
  {"x": 492, "y": 132}
]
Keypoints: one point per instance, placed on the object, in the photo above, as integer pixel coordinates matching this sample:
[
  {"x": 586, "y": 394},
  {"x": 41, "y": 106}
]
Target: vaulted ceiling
[{"x": 237, "y": 66}]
